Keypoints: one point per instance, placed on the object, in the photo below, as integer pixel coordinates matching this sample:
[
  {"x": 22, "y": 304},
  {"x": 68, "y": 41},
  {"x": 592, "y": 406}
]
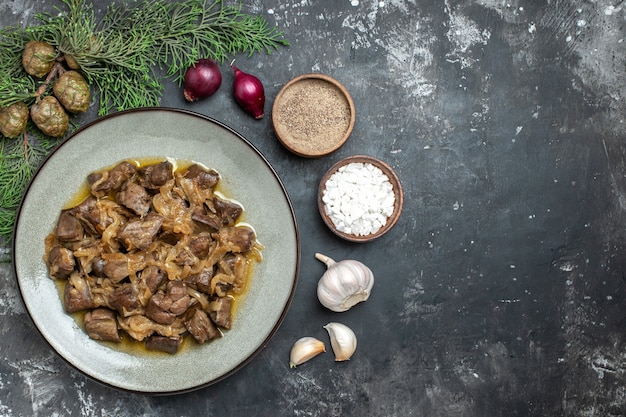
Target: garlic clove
[
  {"x": 342, "y": 340},
  {"x": 305, "y": 349}
]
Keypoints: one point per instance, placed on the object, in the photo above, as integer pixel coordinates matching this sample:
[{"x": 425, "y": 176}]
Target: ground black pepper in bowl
[{"x": 313, "y": 115}]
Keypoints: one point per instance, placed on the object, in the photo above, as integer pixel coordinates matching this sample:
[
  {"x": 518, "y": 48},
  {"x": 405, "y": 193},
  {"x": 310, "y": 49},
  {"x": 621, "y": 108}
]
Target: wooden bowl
[
  {"x": 397, "y": 190},
  {"x": 313, "y": 115}
]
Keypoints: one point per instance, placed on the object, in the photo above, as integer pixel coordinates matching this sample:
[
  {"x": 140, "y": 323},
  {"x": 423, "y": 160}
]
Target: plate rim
[{"x": 294, "y": 280}]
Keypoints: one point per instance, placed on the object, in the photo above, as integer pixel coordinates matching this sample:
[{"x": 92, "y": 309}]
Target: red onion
[
  {"x": 202, "y": 80},
  {"x": 249, "y": 93}
]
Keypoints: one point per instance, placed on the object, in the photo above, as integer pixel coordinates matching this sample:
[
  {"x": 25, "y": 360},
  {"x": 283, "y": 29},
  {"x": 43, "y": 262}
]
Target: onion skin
[
  {"x": 249, "y": 93},
  {"x": 201, "y": 80}
]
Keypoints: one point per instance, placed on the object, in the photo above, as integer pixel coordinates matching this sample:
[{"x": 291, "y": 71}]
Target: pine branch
[
  {"x": 119, "y": 56},
  {"x": 19, "y": 159}
]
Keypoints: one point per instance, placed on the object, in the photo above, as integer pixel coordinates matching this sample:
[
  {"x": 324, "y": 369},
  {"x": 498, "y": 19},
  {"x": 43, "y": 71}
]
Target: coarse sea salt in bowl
[{"x": 360, "y": 198}]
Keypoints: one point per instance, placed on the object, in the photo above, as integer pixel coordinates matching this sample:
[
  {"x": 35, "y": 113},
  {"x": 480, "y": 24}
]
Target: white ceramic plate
[{"x": 246, "y": 175}]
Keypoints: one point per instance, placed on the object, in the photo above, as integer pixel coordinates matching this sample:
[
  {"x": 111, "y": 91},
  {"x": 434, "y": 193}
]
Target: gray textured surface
[{"x": 501, "y": 290}]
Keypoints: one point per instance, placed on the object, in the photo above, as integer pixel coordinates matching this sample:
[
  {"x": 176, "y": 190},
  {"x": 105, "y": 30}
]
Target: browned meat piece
[
  {"x": 152, "y": 278},
  {"x": 68, "y": 227},
  {"x": 124, "y": 300},
  {"x": 206, "y": 180},
  {"x": 91, "y": 216},
  {"x": 228, "y": 211},
  {"x": 154, "y": 176},
  {"x": 201, "y": 216},
  {"x": 163, "y": 343},
  {"x": 134, "y": 197},
  {"x": 115, "y": 266},
  {"x": 239, "y": 239},
  {"x": 163, "y": 307},
  {"x": 235, "y": 265},
  {"x": 61, "y": 261},
  {"x": 201, "y": 281},
  {"x": 220, "y": 312},
  {"x": 177, "y": 292},
  {"x": 97, "y": 267},
  {"x": 158, "y": 309},
  {"x": 228, "y": 263},
  {"x": 138, "y": 233},
  {"x": 185, "y": 257},
  {"x": 201, "y": 327},
  {"x": 169, "y": 237},
  {"x": 101, "y": 324},
  {"x": 200, "y": 246},
  {"x": 102, "y": 183},
  {"x": 77, "y": 295},
  {"x": 197, "y": 184},
  {"x": 95, "y": 178}
]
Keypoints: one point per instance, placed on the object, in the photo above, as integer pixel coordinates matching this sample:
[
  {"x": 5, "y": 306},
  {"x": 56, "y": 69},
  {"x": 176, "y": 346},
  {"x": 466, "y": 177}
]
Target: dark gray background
[{"x": 500, "y": 292}]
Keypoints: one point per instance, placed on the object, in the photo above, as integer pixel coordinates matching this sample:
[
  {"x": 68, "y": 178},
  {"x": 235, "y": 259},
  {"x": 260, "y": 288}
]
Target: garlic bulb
[
  {"x": 304, "y": 349},
  {"x": 342, "y": 340},
  {"x": 344, "y": 284}
]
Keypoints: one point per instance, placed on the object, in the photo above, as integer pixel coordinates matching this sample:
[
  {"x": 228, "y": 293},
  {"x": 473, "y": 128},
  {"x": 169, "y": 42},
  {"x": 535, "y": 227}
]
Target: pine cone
[
  {"x": 49, "y": 116},
  {"x": 13, "y": 119},
  {"x": 72, "y": 91},
  {"x": 38, "y": 58}
]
